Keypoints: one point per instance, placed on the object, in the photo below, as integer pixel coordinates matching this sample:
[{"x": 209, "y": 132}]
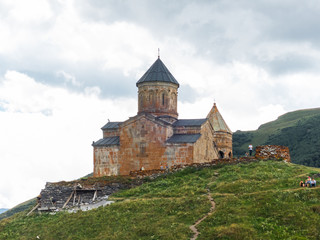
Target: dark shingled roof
[
  {"x": 107, "y": 142},
  {"x": 190, "y": 122},
  {"x": 111, "y": 125},
  {"x": 158, "y": 72},
  {"x": 183, "y": 138}
]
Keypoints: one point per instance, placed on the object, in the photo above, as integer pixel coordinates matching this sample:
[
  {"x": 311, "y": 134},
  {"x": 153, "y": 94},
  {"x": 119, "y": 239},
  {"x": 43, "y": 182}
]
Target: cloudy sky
[{"x": 66, "y": 67}]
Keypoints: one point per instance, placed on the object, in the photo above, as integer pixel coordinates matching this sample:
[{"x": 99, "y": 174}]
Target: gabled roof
[
  {"x": 111, "y": 125},
  {"x": 158, "y": 72},
  {"x": 183, "y": 138},
  {"x": 190, "y": 122},
  {"x": 148, "y": 116},
  {"x": 217, "y": 121},
  {"x": 107, "y": 141}
]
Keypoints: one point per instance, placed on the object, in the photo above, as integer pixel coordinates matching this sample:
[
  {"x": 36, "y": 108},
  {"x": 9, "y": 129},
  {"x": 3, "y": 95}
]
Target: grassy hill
[
  {"x": 19, "y": 208},
  {"x": 258, "y": 200},
  {"x": 299, "y": 130}
]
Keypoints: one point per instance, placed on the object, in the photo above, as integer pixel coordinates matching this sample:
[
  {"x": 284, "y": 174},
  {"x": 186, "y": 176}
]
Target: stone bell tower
[{"x": 158, "y": 91}]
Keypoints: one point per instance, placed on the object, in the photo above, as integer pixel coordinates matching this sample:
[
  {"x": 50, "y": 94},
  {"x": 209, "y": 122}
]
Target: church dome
[
  {"x": 158, "y": 72},
  {"x": 158, "y": 91}
]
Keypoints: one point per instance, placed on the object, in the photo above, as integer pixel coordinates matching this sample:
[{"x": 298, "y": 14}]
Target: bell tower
[{"x": 158, "y": 91}]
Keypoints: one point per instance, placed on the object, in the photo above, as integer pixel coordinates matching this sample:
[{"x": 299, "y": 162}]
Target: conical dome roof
[
  {"x": 158, "y": 72},
  {"x": 217, "y": 121}
]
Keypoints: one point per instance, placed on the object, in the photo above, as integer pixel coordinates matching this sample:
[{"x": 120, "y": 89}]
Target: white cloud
[{"x": 38, "y": 147}]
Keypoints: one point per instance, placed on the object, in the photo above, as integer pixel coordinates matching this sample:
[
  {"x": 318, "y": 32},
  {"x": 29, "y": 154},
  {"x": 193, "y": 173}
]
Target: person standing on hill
[{"x": 250, "y": 149}]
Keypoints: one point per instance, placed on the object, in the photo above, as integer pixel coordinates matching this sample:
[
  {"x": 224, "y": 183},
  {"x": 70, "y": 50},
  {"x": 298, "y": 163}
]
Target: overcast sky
[{"x": 66, "y": 67}]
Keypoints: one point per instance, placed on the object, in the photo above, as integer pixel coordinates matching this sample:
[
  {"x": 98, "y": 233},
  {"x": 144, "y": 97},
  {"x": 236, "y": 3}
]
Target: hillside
[
  {"x": 299, "y": 130},
  {"x": 258, "y": 200},
  {"x": 19, "y": 208}
]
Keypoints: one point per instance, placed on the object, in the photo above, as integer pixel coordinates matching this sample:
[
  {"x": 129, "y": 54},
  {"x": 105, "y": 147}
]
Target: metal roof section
[
  {"x": 107, "y": 142},
  {"x": 217, "y": 121},
  {"x": 190, "y": 122},
  {"x": 111, "y": 125},
  {"x": 158, "y": 72},
  {"x": 184, "y": 138}
]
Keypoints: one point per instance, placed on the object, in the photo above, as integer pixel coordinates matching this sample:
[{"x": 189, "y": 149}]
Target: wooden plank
[
  {"x": 33, "y": 209},
  {"x": 65, "y": 204},
  {"x": 74, "y": 197},
  {"x": 95, "y": 195}
]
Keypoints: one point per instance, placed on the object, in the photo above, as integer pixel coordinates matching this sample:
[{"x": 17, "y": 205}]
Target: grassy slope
[
  {"x": 253, "y": 201},
  {"x": 274, "y": 128},
  {"x": 19, "y": 208}
]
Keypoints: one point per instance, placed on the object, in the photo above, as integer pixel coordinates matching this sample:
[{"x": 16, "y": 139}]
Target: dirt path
[{"x": 194, "y": 226}]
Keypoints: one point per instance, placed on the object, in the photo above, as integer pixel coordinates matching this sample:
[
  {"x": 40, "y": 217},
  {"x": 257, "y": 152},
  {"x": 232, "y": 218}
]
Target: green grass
[
  {"x": 259, "y": 200},
  {"x": 19, "y": 208}
]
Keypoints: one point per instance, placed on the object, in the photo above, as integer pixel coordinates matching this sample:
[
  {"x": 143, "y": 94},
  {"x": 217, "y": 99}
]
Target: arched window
[
  {"x": 140, "y": 101},
  {"x": 151, "y": 97},
  {"x": 221, "y": 154},
  {"x": 163, "y": 95}
]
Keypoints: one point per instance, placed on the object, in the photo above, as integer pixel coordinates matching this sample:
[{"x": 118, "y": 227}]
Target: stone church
[{"x": 155, "y": 138}]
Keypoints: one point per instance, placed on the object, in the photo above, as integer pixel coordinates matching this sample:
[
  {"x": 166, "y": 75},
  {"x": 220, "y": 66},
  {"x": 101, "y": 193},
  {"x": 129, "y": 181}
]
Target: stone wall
[
  {"x": 142, "y": 144},
  {"x": 57, "y": 194},
  {"x": 177, "y": 154},
  {"x": 223, "y": 142},
  {"x": 158, "y": 98},
  {"x": 110, "y": 132},
  {"x": 204, "y": 149},
  {"x": 273, "y": 152},
  {"x": 106, "y": 161},
  {"x": 159, "y": 172},
  {"x": 85, "y": 190}
]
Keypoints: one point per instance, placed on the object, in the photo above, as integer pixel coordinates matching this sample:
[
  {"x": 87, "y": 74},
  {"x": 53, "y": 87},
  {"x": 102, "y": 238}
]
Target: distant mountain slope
[
  {"x": 299, "y": 130},
  {"x": 2, "y": 210}
]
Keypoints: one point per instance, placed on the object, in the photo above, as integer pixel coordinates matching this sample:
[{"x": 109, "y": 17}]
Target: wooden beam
[
  {"x": 95, "y": 195},
  {"x": 65, "y": 204},
  {"x": 33, "y": 209},
  {"x": 74, "y": 197}
]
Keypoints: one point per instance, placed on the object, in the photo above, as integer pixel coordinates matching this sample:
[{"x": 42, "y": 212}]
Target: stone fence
[
  {"x": 273, "y": 152},
  {"x": 262, "y": 152},
  {"x": 69, "y": 194}
]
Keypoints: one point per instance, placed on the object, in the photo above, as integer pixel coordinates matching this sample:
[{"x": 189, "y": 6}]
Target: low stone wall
[
  {"x": 55, "y": 195},
  {"x": 158, "y": 172},
  {"x": 273, "y": 152},
  {"x": 262, "y": 152}
]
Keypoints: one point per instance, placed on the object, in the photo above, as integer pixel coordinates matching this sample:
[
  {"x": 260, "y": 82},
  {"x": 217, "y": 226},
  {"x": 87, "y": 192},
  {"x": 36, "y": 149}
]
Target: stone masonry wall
[
  {"x": 60, "y": 192},
  {"x": 110, "y": 133},
  {"x": 273, "y": 152},
  {"x": 178, "y": 154},
  {"x": 106, "y": 161},
  {"x": 223, "y": 141},
  {"x": 158, "y": 98},
  {"x": 204, "y": 149},
  {"x": 142, "y": 144}
]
